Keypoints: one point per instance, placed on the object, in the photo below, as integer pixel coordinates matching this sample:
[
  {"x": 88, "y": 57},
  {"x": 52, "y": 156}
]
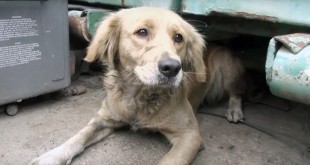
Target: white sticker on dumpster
[
  {"x": 19, "y": 54},
  {"x": 17, "y": 27},
  {"x": 18, "y": 41}
]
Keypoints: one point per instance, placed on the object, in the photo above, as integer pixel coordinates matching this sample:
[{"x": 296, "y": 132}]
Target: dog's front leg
[
  {"x": 184, "y": 149},
  {"x": 98, "y": 128}
]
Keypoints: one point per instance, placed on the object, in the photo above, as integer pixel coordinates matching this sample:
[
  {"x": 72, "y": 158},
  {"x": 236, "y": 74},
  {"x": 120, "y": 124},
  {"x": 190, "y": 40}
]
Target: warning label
[
  {"x": 17, "y": 27},
  {"x": 18, "y": 53}
]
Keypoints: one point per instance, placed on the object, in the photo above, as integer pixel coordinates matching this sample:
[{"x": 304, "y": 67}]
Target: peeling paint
[
  {"x": 257, "y": 17},
  {"x": 294, "y": 42}
]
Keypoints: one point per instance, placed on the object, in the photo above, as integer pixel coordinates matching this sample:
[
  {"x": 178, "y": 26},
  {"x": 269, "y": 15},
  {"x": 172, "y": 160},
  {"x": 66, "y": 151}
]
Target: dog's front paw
[
  {"x": 56, "y": 156},
  {"x": 234, "y": 115}
]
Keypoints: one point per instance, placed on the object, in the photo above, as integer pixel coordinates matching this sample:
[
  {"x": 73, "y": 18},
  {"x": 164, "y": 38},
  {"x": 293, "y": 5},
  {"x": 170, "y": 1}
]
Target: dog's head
[{"x": 157, "y": 45}]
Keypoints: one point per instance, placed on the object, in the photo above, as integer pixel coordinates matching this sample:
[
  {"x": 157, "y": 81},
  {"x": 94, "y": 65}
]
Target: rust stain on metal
[
  {"x": 183, "y": 7},
  {"x": 307, "y": 82},
  {"x": 123, "y": 3},
  {"x": 258, "y": 17},
  {"x": 300, "y": 79},
  {"x": 276, "y": 73}
]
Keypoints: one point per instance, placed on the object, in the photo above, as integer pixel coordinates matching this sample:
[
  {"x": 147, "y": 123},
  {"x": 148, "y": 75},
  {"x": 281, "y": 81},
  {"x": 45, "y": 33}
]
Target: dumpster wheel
[{"x": 11, "y": 109}]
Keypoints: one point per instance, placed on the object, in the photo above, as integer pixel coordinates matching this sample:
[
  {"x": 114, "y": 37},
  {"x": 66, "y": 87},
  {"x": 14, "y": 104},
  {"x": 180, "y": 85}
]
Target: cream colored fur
[{"x": 137, "y": 93}]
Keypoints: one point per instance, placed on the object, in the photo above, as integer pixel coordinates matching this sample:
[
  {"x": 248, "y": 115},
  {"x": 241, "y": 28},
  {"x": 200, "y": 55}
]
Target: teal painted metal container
[
  {"x": 288, "y": 67},
  {"x": 284, "y": 11},
  {"x": 225, "y": 18},
  {"x": 265, "y": 18},
  {"x": 93, "y": 18},
  {"x": 168, "y": 4}
]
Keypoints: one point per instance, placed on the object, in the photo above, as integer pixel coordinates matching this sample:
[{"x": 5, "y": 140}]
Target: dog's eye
[
  {"x": 142, "y": 33},
  {"x": 178, "y": 38}
]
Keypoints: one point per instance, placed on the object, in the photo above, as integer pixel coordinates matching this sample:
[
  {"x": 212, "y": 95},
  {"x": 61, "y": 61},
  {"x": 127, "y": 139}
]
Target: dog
[
  {"x": 225, "y": 77},
  {"x": 156, "y": 78}
]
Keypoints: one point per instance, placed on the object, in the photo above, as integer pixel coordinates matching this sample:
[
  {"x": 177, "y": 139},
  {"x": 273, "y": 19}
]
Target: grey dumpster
[{"x": 34, "y": 48}]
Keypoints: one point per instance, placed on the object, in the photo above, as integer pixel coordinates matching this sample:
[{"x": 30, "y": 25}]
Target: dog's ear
[
  {"x": 194, "y": 55},
  {"x": 104, "y": 43}
]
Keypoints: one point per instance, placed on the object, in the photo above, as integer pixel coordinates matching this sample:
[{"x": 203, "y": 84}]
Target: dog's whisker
[
  {"x": 131, "y": 79},
  {"x": 134, "y": 78},
  {"x": 189, "y": 77},
  {"x": 195, "y": 73},
  {"x": 127, "y": 76},
  {"x": 137, "y": 80}
]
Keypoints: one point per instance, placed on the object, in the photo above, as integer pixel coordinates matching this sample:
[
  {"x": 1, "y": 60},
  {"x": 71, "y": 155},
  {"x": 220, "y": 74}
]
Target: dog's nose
[{"x": 169, "y": 67}]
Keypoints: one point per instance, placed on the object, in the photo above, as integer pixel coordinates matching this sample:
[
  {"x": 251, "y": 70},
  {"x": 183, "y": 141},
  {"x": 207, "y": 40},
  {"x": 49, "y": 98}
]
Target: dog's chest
[
  {"x": 148, "y": 103},
  {"x": 151, "y": 101}
]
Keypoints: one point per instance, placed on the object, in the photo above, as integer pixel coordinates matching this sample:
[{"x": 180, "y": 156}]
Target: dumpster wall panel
[{"x": 34, "y": 48}]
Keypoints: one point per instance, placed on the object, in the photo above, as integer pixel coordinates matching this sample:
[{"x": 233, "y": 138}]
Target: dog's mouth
[
  {"x": 160, "y": 80},
  {"x": 167, "y": 82}
]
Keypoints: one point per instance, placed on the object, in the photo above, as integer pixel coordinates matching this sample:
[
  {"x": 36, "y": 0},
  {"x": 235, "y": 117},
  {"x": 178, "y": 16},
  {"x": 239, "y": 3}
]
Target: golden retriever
[{"x": 156, "y": 76}]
